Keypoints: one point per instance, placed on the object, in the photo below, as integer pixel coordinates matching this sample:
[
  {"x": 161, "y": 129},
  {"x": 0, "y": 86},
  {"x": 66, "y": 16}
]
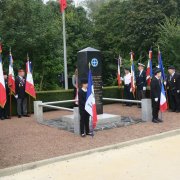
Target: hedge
[{"x": 59, "y": 95}]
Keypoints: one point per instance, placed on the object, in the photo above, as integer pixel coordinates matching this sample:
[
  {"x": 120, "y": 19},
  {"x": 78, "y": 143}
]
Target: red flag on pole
[
  {"x": 2, "y": 84},
  {"x": 29, "y": 88},
  {"x": 119, "y": 71},
  {"x": 63, "y": 5},
  {"x": 11, "y": 79},
  {"x": 0, "y": 47},
  {"x": 133, "y": 80},
  {"x": 149, "y": 69}
]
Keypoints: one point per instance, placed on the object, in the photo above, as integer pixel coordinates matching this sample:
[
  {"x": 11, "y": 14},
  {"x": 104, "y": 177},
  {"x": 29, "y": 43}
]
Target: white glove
[
  {"x": 165, "y": 83},
  {"x": 178, "y": 91},
  {"x": 122, "y": 79},
  {"x": 16, "y": 96},
  {"x": 144, "y": 88},
  {"x": 156, "y": 99}
]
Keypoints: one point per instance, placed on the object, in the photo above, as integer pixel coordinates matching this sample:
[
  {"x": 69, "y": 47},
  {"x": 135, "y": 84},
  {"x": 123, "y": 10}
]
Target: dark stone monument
[{"x": 94, "y": 57}]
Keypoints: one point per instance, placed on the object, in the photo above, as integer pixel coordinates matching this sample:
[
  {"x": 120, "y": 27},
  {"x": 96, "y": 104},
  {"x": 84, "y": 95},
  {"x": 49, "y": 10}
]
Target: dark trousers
[
  {"x": 4, "y": 112},
  {"x": 127, "y": 93},
  {"x": 155, "y": 108},
  {"x": 84, "y": 122},
  {"x": 141, "y": 94},
  {"x": 22, "y": 106},
  {"x": 174, "y": 100}
]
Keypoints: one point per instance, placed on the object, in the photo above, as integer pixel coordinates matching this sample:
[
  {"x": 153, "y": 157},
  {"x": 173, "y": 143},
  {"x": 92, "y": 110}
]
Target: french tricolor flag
[
  {"x": 29, "y": 88},
  {"x": 2, "y": 86},
  {"x": 149, "y": 69},
  {"x": 90, "y": 105},
  {"x": 163, "y": 101},
  {"x": 119, "y": 71},
  {"x": 11, "y": 79}
]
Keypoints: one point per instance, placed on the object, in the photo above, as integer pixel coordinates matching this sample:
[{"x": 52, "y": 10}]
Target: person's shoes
[
  {"x": 139, "y": 106},
  {"x": 19, "y": 116},
  {"x": 2, "y": 118},
  {"x": 160, "y": 120},
  {"x": 89, "y": 134},
  {"x": 7, "y": 117},
  {"x": 177, "y": 111},
  {"x": 83, "y": 135},
  {"x": 26, "y": 115},
  {"x": 155, "y": 121}
]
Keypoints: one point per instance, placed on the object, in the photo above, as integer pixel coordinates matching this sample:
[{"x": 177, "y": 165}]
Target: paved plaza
[{"x": 158, "y": 159}]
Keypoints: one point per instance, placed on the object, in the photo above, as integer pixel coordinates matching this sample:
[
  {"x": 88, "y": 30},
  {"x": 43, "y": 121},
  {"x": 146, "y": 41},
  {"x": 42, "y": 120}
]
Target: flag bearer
[
  {"x": 21, "y": 95},
  {"x": 155, "y": 95},
  {"x": 141, "y": 82},
  {"x": 4, "y": 112},
  {"x": 84, "y": 116},
  {"x": 173, "y": 84},
  {"x": 127, "y": 85}
]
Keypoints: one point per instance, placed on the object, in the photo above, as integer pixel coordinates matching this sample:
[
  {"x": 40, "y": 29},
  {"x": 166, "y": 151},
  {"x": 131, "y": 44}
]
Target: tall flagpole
[{"x": 65, "y": 51}]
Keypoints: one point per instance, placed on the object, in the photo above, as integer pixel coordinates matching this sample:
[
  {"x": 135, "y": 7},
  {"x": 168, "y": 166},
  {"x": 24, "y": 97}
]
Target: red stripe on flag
[
  {"x": 30, "y": 89},
  {"x": 2, "y": 96},
  {"x": 11, "y": 83},
  {"x": 163, "y": 107}
]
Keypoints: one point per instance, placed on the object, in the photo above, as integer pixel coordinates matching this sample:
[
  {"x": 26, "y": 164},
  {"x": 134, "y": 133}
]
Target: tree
[
  {"x": 169, "y": 42},
  {"x": 129, "y": 25},
  {"x": 30, "y": 26}
]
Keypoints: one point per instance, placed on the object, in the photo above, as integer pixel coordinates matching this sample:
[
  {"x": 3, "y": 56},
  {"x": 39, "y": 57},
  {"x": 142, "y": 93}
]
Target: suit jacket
[
  {"x": 7, "y": 88},
  {"x": 141, "y": 80},
  {"x": 82, "y": 100},
  {"x": 20, "y": 87},
  {"x": 155, "y": 88},
  {"x": 174, "y": 82}
]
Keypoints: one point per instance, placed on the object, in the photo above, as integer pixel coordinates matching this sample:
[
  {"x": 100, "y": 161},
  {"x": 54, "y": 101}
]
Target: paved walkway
[
  {"x": 155, "y": 160},
  {"x": 24, "y": 140}
]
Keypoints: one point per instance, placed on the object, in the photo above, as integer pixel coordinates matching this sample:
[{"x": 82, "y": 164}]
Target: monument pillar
[{"x": 94, "y": 57}]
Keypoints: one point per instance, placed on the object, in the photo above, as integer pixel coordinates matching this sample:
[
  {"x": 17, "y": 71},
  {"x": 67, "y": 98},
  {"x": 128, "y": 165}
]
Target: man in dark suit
[
  {"x": 173, "y": 86},
  {"x": 4, "y": 112},
  {"x": 21, "y": 95},
  {"x": 141, "y": 82},
  {"x": 155, "y": 95}
]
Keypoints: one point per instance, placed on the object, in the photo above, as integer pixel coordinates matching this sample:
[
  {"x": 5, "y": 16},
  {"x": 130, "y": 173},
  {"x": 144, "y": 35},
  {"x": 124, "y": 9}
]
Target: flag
[
  {"x": 149, "y": 68},
  {"x": 2, "y": 85},
  {"x": 160, "y": 65},
  {"x": 0, "y": 48},
  {"x": 29, "y": 87},
  {"x": 76, "y": 97},
  {"x": 119, "y": 71},
  {"x": 90, "y": 105},
  {"x": 133, "y": 80},
  {"x": 63, "y": 5},
  {"x": 11, "y": 79},
  {"x": 163, "y": 101}
]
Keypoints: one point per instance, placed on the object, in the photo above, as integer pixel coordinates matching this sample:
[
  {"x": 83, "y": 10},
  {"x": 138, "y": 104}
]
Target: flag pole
[
  {"x": 65, "y": 51},
  {"x": 29, "y": 97},
  {"x": 10, "y": 97},
  {"x": 10, "y": 104}
]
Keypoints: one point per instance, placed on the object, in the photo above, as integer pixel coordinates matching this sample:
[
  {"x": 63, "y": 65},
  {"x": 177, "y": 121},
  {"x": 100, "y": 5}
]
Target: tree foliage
[
  {"x": 30, "y": 26},
  {"x": 112, "y": 26}
]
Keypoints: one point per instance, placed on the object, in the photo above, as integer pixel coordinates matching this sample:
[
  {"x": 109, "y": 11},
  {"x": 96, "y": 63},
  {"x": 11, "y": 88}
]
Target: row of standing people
[
  {"x": 172, "y": 84},
  {"x": 20, "y": 95}
]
